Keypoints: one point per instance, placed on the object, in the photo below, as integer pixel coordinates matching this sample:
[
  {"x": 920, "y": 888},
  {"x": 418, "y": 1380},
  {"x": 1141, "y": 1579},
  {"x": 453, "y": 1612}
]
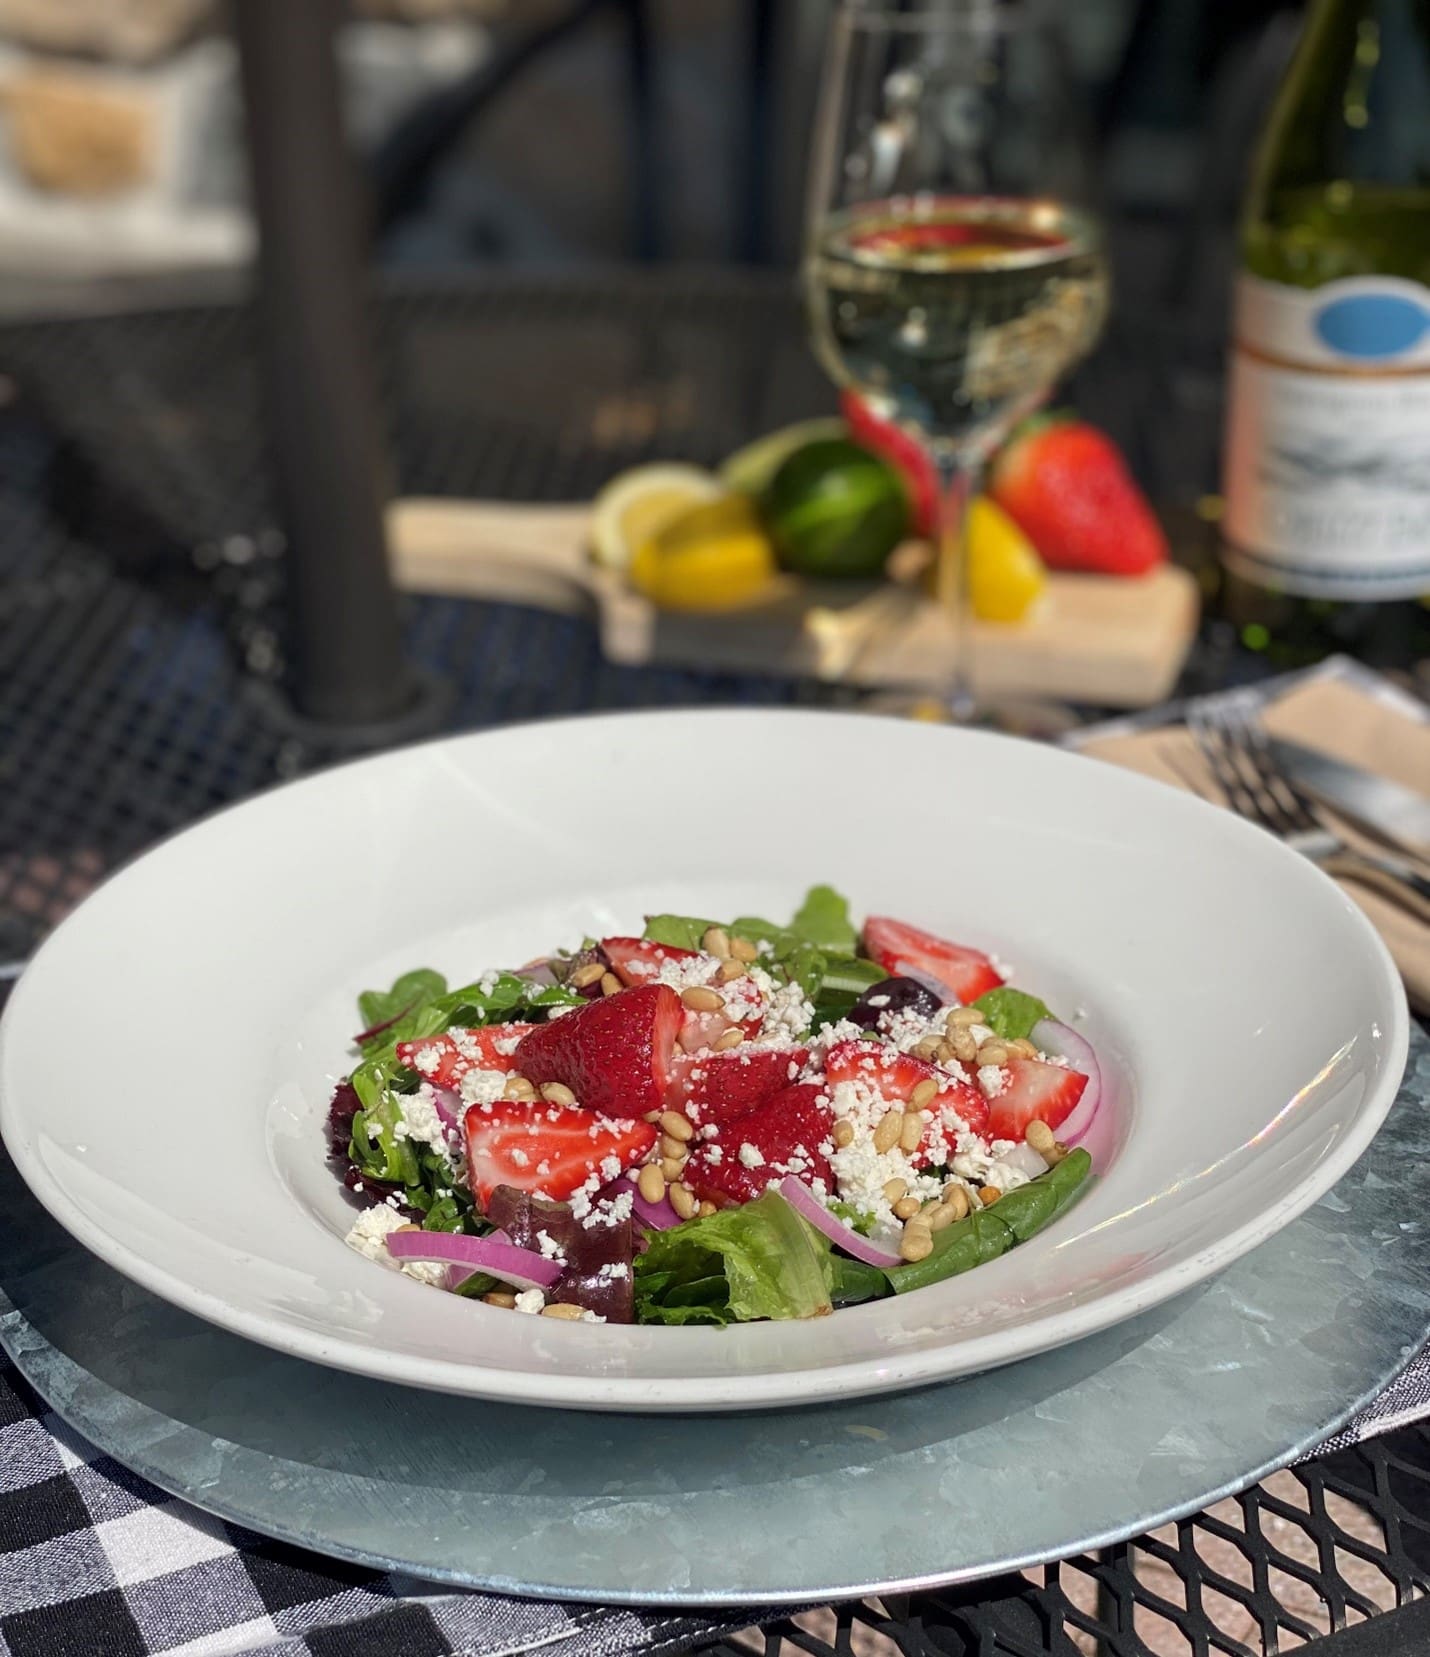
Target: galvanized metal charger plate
[{"x": 1071, "y": 1450}]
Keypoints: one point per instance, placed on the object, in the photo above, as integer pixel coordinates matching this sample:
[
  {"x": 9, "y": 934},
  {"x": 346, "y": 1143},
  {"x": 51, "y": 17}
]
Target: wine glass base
[{"x": 1013, "y": 716}]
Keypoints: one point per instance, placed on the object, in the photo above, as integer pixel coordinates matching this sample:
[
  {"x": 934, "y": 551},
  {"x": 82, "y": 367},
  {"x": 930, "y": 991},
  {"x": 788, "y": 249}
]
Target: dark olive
[{"x": 892, "y": 995}]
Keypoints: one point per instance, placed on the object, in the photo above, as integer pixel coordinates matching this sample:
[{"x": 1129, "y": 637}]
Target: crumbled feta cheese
[
  {"x": 685, "y": 972},
  {"x": 613, "y": 1271},
  {"x": 715, "y": 1155},
  {"x": 992, "y": 1079},
  {"x": 751, "y": 1156},
  {"x": 369, "y": 1234},
  {"x": 426, "y": 1059},
  {"x": 787, "y": 1014},
  {"x": 418, "y": 1119},
  {"x": 482, "y": 1087},
  {"x": 550, "y": 1248},
  {"x": 488, "y": 981},
  {"x": 530, "y": 1300}
]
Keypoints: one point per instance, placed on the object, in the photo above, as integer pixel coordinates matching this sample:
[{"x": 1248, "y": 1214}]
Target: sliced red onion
[
  {"x": 1025, "y": 1159},
  {"x": 536, "y": 972},
  {"x": 1060, "y": 1042},
  {"x": 523, "y": 1267},
  {"x": 804, "y": 1202},
  {"x": 659, "y": 1216},
  {"x": 449, "y": 1107}
]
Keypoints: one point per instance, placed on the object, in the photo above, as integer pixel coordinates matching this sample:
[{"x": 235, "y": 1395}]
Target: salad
[{"x": 712, "y": 1122}]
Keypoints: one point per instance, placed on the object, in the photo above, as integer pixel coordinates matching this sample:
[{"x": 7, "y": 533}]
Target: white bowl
[{"x": 166, "y": 1061}]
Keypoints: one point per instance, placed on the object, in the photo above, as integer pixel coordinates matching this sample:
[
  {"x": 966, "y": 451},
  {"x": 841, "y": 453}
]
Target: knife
[{"x": 1397, "y": 814}]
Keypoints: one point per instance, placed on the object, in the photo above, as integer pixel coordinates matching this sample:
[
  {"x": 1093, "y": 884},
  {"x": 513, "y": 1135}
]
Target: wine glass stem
[{"x": 957, "y": 473}]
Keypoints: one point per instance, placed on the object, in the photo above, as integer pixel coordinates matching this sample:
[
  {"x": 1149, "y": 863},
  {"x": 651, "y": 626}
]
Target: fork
[{"x": 1234, "y": 746}]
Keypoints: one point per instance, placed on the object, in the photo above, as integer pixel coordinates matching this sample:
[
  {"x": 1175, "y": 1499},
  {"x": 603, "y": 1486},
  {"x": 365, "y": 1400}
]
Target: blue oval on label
[{"x": 1372, "y": 325}]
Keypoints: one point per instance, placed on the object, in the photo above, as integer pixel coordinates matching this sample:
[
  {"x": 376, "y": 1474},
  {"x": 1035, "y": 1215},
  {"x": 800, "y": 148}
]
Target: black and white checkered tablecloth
[{"x": 95, "y": 1562}]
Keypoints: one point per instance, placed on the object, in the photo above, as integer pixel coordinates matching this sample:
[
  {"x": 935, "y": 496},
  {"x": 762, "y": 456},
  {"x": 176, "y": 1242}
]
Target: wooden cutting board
[{"x": 1120, "y": 643}]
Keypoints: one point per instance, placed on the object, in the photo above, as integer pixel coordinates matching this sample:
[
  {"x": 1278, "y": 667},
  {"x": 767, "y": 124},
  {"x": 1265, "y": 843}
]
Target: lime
[
  {"x": 637, "y": 504},
  {"x": 835, "y": 510},
  {"x": 711, "y": 557},
  {"x": 749, "y": 470}
]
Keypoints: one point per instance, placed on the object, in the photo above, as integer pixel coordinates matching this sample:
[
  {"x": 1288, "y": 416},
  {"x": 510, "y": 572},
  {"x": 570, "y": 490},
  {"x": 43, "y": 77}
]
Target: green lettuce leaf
[
  {"x": 823, "y": 920},
  {"x": 1011, "y": 1013},
  {"x": 758, "y": 1261},
  {"x": 412, "y": 991}
]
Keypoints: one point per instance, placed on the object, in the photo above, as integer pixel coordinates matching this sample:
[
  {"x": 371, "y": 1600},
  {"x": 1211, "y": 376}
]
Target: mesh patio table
[{"x": 141, "y": 640}]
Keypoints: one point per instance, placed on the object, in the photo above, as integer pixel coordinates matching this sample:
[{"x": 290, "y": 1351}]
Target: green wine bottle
[{"x": 1326, "y": 469}]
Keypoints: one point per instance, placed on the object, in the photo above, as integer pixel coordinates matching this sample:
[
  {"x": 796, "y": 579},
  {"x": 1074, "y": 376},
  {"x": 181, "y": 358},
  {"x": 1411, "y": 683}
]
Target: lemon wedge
[
  {"x": 636, "y": 505},
  {"x": 712, "y": 557},
  {"x": 1006, "y": 578}
]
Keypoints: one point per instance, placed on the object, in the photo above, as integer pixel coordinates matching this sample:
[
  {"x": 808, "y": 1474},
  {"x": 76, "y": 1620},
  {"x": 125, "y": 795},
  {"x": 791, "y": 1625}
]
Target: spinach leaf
[{"x": 1011, "y": 1013}]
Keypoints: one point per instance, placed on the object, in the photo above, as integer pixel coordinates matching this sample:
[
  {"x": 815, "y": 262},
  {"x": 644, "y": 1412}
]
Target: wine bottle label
[{"x": 1327, "y": 465}]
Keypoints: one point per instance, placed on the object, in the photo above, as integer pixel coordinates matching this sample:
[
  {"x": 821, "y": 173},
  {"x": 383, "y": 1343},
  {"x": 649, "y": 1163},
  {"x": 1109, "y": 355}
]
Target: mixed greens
[{"x": 712, "y": 1122}]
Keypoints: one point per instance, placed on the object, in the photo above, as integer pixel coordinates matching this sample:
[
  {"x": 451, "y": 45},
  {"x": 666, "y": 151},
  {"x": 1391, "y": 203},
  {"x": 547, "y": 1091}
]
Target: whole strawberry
[
  {"x": 908, "y": 458},
  {"x": 1067, "y": 487}
]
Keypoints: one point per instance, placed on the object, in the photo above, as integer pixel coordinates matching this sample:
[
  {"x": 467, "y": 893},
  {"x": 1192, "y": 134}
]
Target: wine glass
[{"x": 953, "y": 270}]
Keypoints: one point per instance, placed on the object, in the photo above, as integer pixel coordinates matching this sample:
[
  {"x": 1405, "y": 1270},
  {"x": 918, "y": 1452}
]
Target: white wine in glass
[{"x": 953, "y": 269}]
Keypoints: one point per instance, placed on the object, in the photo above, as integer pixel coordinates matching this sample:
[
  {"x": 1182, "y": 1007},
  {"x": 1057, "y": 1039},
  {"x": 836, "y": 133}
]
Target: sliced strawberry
[
  {"x": 714, "y": 1087},
  {"x": 895, "y": 1075},
  {"x": 446, "y": 1058},
  {"x": 638, "y": 960},
  {"x": 905, "y": 454},
  {"x": 1034, "y": 1092},
  {"x": 614, "y": 1054},
  {"x": 965, "y": 973},
  {"x": 785, "y": 1135},
  {"x": 550, "y": 1150}
]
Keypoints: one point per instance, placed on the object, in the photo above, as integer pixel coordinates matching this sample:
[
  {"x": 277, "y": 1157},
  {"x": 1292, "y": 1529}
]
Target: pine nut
[
  {"x": 1040, "y": 1137},
  {"x": 563, "y": 1310},
  {"x": 993, "y": 1052},
  {"x": 715, "y": 940},
  {"x": 499, "y": 1297},
  {"x": 517, "y": 1087},
  {"x": 960, "y": 1017},
  {"x": 906, "y": 1207},
  {"x": 886, "y": 1135},
  {"x": 743, "y": 950},
  {"x": 683, "y": 1200},
  {"x": 702, "y": 1000},
  {"x": 732, "y": 1038},
  {"x": 677, "y": 1126},
  {"x": 988, "y": 1195},
  {"x": 941, "y": 1216},
  {"x": 676, "y": 1149},
  {"x": 410, "y": 1226},
  {"x": 672, "y": 1167},
  {"x": 610, "y": 984},
  {"x": 651, "y": 1183},
  {"x": 1022, "y": 1048},
  {"x": 730, "y": 970},
  {"x": 924, "y": 1093},
  {"x": 965, "y": 1048},
  {"x": 911, "y": 1131},
  {"x": 916, "y": 1243},
  {"x": 557, "y": 1093},
  {"x": 706, "y": 1210},
  {"x": 946, "y": 1054},
  {"x": 955, "y": 1200},
  {"x": 895, "y": 1189},
  {"x": 592, "y": 972},
  {"x": 651, "y": 1116},
  {"x": 927, "y": 1049},
  {"x": 843, "y": 1133}
]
